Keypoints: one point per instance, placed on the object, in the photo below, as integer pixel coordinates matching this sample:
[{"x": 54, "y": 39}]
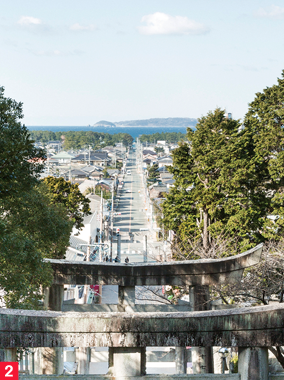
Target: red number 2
[{"x": 10, "y": 370}]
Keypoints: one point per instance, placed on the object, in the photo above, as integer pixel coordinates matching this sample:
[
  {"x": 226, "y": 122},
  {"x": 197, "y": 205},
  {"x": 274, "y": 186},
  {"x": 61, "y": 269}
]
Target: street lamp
[{"x": 224, "y": 352}]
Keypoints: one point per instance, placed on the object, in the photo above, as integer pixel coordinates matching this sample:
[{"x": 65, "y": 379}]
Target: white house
[
  {"x": 164, "y": 161},
  {"x": 63, "y": 157}
]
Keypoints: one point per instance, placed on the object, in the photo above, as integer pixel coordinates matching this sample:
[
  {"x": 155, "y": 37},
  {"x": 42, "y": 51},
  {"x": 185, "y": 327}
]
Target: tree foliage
[
  {"x": 45, "y": 136},
  {"x": 264, "y": 121},
  {"x": 170, "y": 137},
  {"x": 20, "y": 161},
  {"x": 153, "y": 172},
  {"x": 82, "y": 139},
  {"x": 216, "y": 188},
  {"x": 159, "y": 149},
  {"x": 33, "y": 229},
  {"x": 30, "y": 227},
  {"x": 69, "y": 196},
  {"x": 229, "y": 178}
]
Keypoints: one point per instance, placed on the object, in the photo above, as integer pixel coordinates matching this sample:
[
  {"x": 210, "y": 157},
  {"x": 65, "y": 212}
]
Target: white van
[{"x": 128, "y": 172}]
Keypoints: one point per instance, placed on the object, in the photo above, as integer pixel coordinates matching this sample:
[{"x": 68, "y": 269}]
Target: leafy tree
[
  {"x": 217, "y": 187},
  {"x": 153, "y": 173},
  {"x": 101, "y": 190},
  {"x": 105, "y": 173},
  {"x": 33, "y": 228},
  {"x": 83, "y": 139},
  {"x": 23, "y": 271},
  {"x": 159, "y": 149},
  {"x": 125, "y": 138},
  {"x": 43, "y": 136},
  {"x": 69, "y": 195},
  {"x": 264, "y": 121},
  {"x": 118, "y": 165},
  {"x": 30, "y": 228},
  {"x": 20, "y": 161},
  {"x": 170, "y": 137},
  {"x": 46, "y": 223}
]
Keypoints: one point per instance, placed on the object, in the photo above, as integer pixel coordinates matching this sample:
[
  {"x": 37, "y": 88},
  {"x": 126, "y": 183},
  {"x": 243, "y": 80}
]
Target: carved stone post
[
  {"x": 2, "y": 355},
  {"x": 127, "y": 361},
  {"x": 52, "y": 358},
  {"x": 253, "y": 363},
  {"x": 202, "y": 357},
  {"x": 53, "y": 297},
  {"x": 126, "y": 297},
  {"x": 83, "y": 360},
  {"x": 181, "y": 360},
  {"x": 10, "y": 354}
]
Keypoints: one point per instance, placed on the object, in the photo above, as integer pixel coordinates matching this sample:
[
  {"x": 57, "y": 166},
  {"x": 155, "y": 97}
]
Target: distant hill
[
  {"x": 160, "y": 122},
  {"x": 179, "y": 122},
  {"x": 104, "y": 123}
]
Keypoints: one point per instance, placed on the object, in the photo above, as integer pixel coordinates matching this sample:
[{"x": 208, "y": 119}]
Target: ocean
[{"x": 133, "y": 131}]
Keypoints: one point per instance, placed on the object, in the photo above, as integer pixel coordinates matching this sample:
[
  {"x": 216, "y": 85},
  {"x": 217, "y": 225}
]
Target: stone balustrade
[{"x": 245, "y": 327}]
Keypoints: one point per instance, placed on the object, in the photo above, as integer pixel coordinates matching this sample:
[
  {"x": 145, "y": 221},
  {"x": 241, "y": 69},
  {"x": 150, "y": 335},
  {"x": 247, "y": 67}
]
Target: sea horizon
[{"x": 133, "y": 131}]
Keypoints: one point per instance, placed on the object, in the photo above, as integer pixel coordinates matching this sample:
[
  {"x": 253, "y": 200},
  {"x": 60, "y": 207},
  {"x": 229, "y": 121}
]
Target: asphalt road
[{"x": 133, "y": 216}]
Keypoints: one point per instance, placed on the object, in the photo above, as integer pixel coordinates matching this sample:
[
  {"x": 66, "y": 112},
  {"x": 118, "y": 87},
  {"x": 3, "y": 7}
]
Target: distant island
[{"x": 177, "y": 122}]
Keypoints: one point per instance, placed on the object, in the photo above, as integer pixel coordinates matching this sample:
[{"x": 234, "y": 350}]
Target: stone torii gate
[{"x": 128, "y": 331}]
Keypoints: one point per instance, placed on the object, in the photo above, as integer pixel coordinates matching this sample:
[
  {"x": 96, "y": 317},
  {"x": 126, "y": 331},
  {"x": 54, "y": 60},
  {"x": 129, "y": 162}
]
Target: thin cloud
[
  {"x": 28, "y": 21},
  {"x": 33, "y": 24},
  {"x": 161, "y": 23},
  {"x": 82, "y": 28},
  {"x": 274, "y": 12}
]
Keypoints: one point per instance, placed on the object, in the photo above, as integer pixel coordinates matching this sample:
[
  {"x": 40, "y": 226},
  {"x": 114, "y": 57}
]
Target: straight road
[{"x": 133, "y": 219}]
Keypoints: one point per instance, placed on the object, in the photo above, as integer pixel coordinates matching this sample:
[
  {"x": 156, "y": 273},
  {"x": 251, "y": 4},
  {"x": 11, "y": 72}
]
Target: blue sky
[{"x": 77, "y": 62}]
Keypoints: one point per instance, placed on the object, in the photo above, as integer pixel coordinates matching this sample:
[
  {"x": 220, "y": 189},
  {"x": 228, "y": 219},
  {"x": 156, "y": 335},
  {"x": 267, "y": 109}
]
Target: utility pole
[
  {"x": 118, "y": 246},
  {"x": 87, "y": 287},
  {"x": 89, "y": 249},
  {"x": 111, "y": 220},
  {"x": 101, "y": 227},
  {"x": 145, "y": 249}
]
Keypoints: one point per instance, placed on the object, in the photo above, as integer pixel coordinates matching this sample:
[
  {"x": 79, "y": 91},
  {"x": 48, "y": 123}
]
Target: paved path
[{"x": 134, "y": 218}]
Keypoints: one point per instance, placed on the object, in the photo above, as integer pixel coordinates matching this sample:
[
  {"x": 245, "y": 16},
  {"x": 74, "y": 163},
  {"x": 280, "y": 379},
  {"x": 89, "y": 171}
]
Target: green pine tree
[{"x": 216, "y": 188}]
